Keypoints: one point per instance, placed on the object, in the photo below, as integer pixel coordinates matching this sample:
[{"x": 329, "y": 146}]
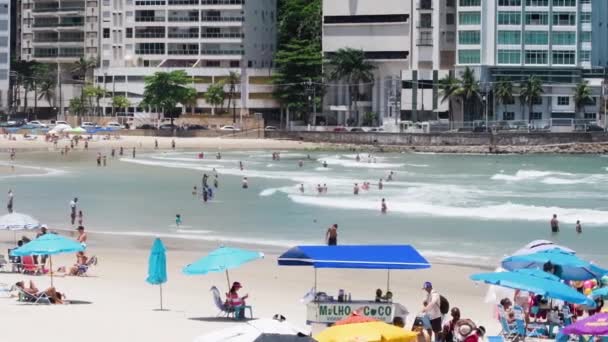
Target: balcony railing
[
  {"x": 62, "y": 40},
  {"x": 183, "y": 52},
  {"x": 222, "y": 35},
  {"x": 222, "y": 52},
  {"x": 182, "y": 35},
  {"x": 149, "y": 35},
  {"x": 183, "y": 19},
  {"x": 424, "y": 42},
  {"x": 224, "y": 18},
  {"x": 50, "y": 54},
  {"x": 149, "y": 19},
  {"x": 150, "y": 51},
  {"x": 58, "y": 9},
  {"x": 183, "y": 2},
  {"x": 57, "y": 24},
  {"x": 222, "y": 2}
]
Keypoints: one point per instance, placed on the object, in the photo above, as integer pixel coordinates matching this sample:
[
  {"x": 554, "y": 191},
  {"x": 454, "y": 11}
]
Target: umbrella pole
[
  {"x": 315, "y": 281},
  {"x": 388, "y": 280},
  {"x": 161, "y": 296},
  {"x": 51, "y": 268},
  {"x": 228, "y": 280}
]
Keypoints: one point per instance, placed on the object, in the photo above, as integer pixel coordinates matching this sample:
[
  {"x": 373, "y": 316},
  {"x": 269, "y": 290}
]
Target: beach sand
[{"x": 116, "y": 304}]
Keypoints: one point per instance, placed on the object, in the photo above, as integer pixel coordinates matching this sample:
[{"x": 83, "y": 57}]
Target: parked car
[
  {"x": 146, "y": 126},
  {"x": 58, "y": 122},
  {"x": 357, "y": 129},
  {"x": 87, "y": 124},
  {"x": 115, "y": 125},
  {"x": 270, "y": 128},
  {"x": 594, "y": 128},
  {"x": 377, "y": 129},
  {"x": 196, "y": 127},
  {"x": 12, "y": 124},
  {"x": 167, "y": 127},
  {"x": 36, "y": 124},
  {"x": 340, "y": 129},
  {"x": 229, "y": 128}
]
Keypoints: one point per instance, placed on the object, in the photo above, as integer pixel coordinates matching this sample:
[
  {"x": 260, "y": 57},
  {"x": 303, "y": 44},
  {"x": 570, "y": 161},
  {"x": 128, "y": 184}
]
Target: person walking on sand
[
  {"x": 383, "y": 207},
  {"x": 156, "y": 144},
  {"x": 133, "y": 152},
  {"x": 80, "y": 217},
  {"x": 579, "y": 228},
  {"x": 432, "y": 309},
  {"x": 178, "y": 220},
  {"x": 86, "y": 144},
  {"x": 173, "y": 144},
  {"x": 73, "y": 207},
  {"x": 332, "y": 235},
  {"x": 9, "y": 206},
  {"x": 98, "y": 159},
  {"x": 554, "y": 224},
  {"x": 113, "y": 153}
]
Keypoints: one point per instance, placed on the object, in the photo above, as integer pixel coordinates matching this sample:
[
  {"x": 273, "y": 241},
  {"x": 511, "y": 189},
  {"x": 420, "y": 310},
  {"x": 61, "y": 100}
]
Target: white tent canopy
[
  {"x": 251, "y": 330},
  {"x": 16, "y": 221}
]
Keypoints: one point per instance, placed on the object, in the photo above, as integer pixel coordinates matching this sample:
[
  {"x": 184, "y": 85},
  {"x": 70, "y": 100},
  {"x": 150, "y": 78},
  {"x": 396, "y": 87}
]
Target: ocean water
[{"x": 454, "y": 208}]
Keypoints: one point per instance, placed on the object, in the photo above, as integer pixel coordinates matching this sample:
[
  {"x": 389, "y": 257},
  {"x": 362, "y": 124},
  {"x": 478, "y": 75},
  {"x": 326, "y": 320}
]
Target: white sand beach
[{"x": 116, "y": 304}]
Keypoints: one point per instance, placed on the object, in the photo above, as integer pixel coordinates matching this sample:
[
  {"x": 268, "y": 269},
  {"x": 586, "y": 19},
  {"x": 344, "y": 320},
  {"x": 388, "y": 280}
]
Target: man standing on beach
[
  {"x": 9, "y": 206},
  {"x": 332, "y": 235},
  {"x": 432, "y": 309},
  {"x": 173, "y": 144},
  {"x": 554, "y": 224},
  {"x": 73, "y": 209}
]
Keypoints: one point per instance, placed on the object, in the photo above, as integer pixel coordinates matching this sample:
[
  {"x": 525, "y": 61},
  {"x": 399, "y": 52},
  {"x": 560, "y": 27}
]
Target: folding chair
[
  {"x": 530, "y": 330},
  {"x": 227, "y": 310},
  {"x": 40, "y": 298}
]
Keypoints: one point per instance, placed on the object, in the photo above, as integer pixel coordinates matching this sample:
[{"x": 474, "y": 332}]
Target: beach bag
[{"x": 444, "y": 305}]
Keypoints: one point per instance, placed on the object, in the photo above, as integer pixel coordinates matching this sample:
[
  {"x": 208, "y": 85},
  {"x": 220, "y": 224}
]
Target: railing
[
  {"x": 183, "y": 52},
  {"x": 223, "y": 2},
  {"x": 223, "y": 18},
  {"x": 424, "y": 42},
  {"x": 58, "y": 9},
  {"x": 149, "y": 35},
  {"x": 222, "y": 35},
  {"x": 150, "y": 51},
  {"x": 65, "y": 40},
  {"x": 222, "y": 52},
  {"x": 57, "y": 24},
  {"x": 183, "y": 18},
  {"x": 57, "y": 55},
  {"x": 183, "y": 2},
  {"x": 182, "y": 35},
  {"x": 149, "y": 19}
]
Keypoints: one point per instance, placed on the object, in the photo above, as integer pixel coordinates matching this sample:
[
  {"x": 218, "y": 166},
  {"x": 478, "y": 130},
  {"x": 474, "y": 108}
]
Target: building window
[
  {"x": 509, "y": 57},
  {"x": 509, "y": 18},
  {"x": 509, "y": 3},
  {"x": 541, "y": 3},
  {"x": 536, "y": 116},
  {"x": 537, "y": 101},
  {"x": 469, "y": 56},
  {"x": 106, "y": 33},
  {"x": 563, "y": 38},
  {"x": 564, "y": 3},
  {"x": 536, "y": 38},
  {"x": 469, "y": 18},
  {"x": 469, "y": 37},
  {"x": 564, "y": 57},
  {"x": 590, "y": 116},
  {"x": 537, "y": 18},
  {"x": 129, "y": 32},
  {"x": 469, "y": 3},
  {"x": 507, "y": 116},
  {"x": 584, "y": 56},
  {"x": 563, "y": 101},
  {"x": 509, "y": 37},
  {"x": 585, "y": 37},
  {"x": 449, "y": 19},
  {"x": 536, "y": 57},
  {"x": 585, "y": 18},
  {"x": 564, "y": 19}
]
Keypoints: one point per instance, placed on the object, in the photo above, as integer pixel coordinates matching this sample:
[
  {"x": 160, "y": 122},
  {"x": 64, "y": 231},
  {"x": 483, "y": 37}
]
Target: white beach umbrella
[
  {"x": 252, "y": 330},
  {"x": 60, "y": 128},
  {"x": 16, "y": 221}
]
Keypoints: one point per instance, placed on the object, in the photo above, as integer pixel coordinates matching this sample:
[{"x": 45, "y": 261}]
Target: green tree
[
  {"x": 351, "y": 66},
  {"x": 531, "y": 90},
  {"x": 215, "y": 95},
  {"x": 165, "y": 90},
  {"x": 119, "y": 102},
  {"x": 369, "y": 119},
  {"x": 503, "y": 92},
  {"x": 25, "y": 78},
  {"x": 299, "y": 20},
  {"x": 469, "y": 91},
  {"x": 233, "y": 79},
  {"x": 94, "y": 92},
  {"x": 76, "y": 106},
  {"x": 449, "y": 87},
  {"x": 84, "y": 69},
  {"x": 46, "y": 89},
  {"x": 582, "y": 95},
  {"x": 40, "y": 72}
]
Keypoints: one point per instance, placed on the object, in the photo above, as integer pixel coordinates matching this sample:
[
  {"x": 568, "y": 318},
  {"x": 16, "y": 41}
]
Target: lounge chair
[
  {"x": 509, "y": 331},
  {"x": 40, "y": 298},
  {"x": 227, "y": 310},
  {"x": 82, "y": 269},
  {"x": 29, "y": 266}
]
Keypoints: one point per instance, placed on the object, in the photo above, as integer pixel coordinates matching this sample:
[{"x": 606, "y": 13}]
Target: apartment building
[
  {"x": 411, "y": 43},
  {"x": 5, "y": 53},
  {"x": 59, "y": 32},
  {"x": 561, "y": 41},
  {"x": 206, "y": 38}
]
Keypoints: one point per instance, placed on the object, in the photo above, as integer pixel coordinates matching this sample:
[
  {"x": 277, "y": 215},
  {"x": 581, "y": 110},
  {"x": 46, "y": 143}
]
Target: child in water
[{"x": 178, "y": 220}]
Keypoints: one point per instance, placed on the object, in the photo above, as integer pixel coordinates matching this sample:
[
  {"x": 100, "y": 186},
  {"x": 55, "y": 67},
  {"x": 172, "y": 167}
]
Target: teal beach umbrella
[
  {"x": 157, "y": 267},
  {"x": 222, "y": 260},
  {"x": 49, "y": 244}
]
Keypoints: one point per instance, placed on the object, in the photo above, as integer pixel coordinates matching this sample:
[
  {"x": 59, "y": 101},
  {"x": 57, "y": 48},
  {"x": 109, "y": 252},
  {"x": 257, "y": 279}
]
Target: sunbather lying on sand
[{"x": 54, "y": 296}]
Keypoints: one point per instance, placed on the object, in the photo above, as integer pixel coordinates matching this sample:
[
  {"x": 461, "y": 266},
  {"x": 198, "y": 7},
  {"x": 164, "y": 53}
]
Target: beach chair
[
  {"x": 508, "y": 332},
  {"x": 496, "y": 339},
  {"x": 82, "y": 269},
  {"x": 28, "y": 265},
  {"x": 15, "y": 261},
  {"x": 530, "y": 330},
  {"x": 40, "y": 298},
  {"x": 226, "y": 310}
]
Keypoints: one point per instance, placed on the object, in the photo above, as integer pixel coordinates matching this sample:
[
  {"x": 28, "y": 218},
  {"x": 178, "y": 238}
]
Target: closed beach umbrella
[
  {"x": 48, "y": 244},
  {"x": 157, "y": 267},
  {"x": 571, "y": 267},
  {"x": 15, "y": 221},
  {"x": 259, "y": 330},
  {"x": 222, "y": 260},
  {"x": 60, "y": 128},
  {"x": 596, "y": 325},
  {"x": 537, "y": 282},
  {"x": 369, "y": 332}
]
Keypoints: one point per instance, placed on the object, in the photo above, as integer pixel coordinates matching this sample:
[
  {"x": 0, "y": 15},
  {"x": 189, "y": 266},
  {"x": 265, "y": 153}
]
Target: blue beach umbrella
[
  {"x": 572, "y": 267},
  {"x": 48, "y": 244},
  {"x": 157, "y": 267},
  {"x": 222, "y": 260},
  {"x": 601, "y": 292},
  {"x": 535, "y": 282}
]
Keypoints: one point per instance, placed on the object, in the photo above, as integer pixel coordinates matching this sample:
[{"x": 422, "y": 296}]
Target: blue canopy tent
[{"x": 376, "y": 257}]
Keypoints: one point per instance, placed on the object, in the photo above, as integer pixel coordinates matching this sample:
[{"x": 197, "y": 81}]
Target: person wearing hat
[
  {"x": 432, "y": 309},
  {"x": 234, "y": 300}
]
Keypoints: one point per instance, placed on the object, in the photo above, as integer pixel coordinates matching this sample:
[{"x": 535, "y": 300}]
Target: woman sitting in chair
[{"x": 233, "y": 300}]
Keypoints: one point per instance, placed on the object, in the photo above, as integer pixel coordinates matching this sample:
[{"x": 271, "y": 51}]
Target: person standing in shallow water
[
  {"x": 579, "y": 228},
  {"x": 9, "y": 206},
  {"x": 554, "y": 224},
  {"x": 383, "y": 207},
  {"x": 332, "y": 235},
  {"x": 133, "y": 152}
]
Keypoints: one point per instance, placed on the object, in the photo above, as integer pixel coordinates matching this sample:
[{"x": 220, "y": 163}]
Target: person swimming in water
[
  {"x": 324, "y": 164},
  {"x": 241, "y": 165},
  {"x": 178, "y": 220},
  {"x": 390, "y": 177},
  {"x": 356, "y": 189},
  {"x": 300, "y": 163},
  {"x": 245, "y": 183}
]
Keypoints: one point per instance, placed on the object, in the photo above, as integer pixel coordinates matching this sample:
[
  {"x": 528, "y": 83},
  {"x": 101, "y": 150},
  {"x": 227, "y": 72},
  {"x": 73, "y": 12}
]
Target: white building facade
[
  {"x": 5, "y": 54},
  {"x": 553, "y": 39}
]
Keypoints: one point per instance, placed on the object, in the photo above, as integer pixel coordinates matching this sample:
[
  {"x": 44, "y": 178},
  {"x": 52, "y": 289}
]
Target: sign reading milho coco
[{"x": 331, "y": 312}]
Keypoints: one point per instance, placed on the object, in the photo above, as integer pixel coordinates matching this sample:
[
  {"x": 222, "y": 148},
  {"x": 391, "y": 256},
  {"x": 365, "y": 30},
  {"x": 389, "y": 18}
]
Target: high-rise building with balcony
[
  {"x": 206, "y": 38},
  {"x": 412, "y": 45},
  {"x": 5, "y": 53},
  {"x": 561, "y": 41},
  {"x": 59, "y": 33}
]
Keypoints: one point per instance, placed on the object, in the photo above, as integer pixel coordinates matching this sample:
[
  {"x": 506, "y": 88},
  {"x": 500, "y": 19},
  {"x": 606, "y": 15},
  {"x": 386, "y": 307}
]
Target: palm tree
[
  {"x": 470, "y": 89},
  {"x": 215, "y": 96},
  {"x": 94, "y": 92},
  {"x": 582, "y": 95},
  {"x": 449, "y": 87},
  {"x": 165, "y": 90},
  {"x": 531, "y": 90},
  {"x": 351, "y": 66},
  {"x": 46, "y": 90},
  {"x": 232, "y": 79},
  {"x": 82, "y": 68},
  {"x": 503, "y": 91}
]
